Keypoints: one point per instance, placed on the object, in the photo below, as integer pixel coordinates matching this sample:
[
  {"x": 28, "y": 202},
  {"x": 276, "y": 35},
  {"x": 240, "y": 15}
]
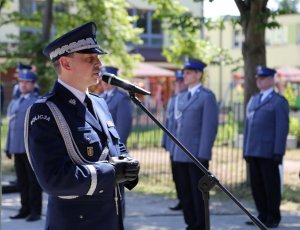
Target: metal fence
[
  {"x": 144, "y": 144},
  {"x": 227, "y": 163}
]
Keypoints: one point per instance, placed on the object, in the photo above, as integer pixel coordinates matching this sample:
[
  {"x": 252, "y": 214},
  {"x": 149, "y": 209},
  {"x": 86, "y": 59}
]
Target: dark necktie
[
  {"x": 189, "y": 95},
  {"x": 105, "y": 96},
  {"x": 260, "y": 98},
  {"x": 89, "y": 105}
]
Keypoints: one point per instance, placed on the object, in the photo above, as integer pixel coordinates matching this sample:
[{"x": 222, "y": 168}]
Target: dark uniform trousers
[
  {"x": 265, "y": 185},
  {"x": 175, "y": 175},
  {"x": 30, "y": 190},
  {"x": 191, "y": 198}
]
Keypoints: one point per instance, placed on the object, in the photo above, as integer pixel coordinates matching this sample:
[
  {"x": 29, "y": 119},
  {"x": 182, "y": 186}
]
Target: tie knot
[
  {"x": 189, "y": 95},
  {"x": 87, "y": 100}
]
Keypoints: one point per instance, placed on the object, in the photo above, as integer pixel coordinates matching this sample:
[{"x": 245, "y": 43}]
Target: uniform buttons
[
  {"x": 81, "y": 217},
  {"x": 88, "y": 139},
  {"x": 101, "y": 191}
]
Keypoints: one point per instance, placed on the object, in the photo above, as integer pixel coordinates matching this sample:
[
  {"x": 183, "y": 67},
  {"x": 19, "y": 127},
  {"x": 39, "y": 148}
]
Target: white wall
[{"x": 9, "y": 28}]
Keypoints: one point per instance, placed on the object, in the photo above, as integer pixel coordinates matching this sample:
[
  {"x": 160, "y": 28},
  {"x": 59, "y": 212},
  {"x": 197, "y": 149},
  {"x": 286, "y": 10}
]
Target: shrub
[{"x": 295, "y": 127}]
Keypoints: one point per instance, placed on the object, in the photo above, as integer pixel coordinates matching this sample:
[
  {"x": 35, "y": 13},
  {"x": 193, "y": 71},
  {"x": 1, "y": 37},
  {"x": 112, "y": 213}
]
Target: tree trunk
[
  {"x": 254, "y": 49},
  {"x": 253, "y": 21},
  {"x": 47, "y": 20}
]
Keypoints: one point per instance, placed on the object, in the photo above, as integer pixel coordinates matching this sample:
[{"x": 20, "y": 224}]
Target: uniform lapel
[
  {"x": 192, "y": 99},
  {"x": 265, "y": 101},
  {"x": 91, "y": 119},
  {"x": 110, "y": 96},
  {"x": 73, "y": 103}
]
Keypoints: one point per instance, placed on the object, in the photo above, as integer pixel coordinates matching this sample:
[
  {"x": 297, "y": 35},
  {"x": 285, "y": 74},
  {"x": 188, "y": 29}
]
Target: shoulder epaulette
[
  {"x": 96, "y": 95},
  {"x": 206, "y": 90},
  {"x": 44, "y": 98},
  {"x": 281, "y": 96}
]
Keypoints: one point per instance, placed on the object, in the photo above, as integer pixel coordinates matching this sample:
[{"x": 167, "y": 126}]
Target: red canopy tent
[{"x": 288, "y": 74}]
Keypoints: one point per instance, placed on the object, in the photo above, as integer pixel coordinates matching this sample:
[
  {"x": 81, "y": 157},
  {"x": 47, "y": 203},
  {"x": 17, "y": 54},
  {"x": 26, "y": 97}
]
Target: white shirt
[
  {"x": 25, "y": 96},
  {"x": 193, "y": 89},
  {"x": 77, "y": 93},
  {"x": 266, "y": 93}
]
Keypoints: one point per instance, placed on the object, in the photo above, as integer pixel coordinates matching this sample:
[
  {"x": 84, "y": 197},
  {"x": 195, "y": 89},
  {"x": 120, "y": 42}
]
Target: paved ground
[{"x": 148, "y": 212}]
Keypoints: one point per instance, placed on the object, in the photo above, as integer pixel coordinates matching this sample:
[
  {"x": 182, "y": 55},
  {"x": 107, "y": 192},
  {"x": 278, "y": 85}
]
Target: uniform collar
[
  {"x": 266, "y": 93},
  {"x": 193, "y": 89},
  {"x": 77, "y": 93},
  {"x": 110, "y": 92},
  {"x": 25, "y": 96}
]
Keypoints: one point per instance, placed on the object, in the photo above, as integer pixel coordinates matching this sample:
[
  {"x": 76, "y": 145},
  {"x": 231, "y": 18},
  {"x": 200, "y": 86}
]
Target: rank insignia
[
  {"x": 72, "y": 101},
  {"x": 110, "y": 124},
  {"x": 90, "y": 151}
]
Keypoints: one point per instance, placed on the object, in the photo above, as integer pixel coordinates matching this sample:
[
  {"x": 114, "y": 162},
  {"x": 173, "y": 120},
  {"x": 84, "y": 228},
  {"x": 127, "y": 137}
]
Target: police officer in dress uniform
[
  {"x": 30, "y": 190},
  {"x": 73, "y": 143},
  {"x": 170, "y": 124},
  {"x": 197, "y": 124},
  {"x": 119, "y": 105},
  {"x": 265, "y": 136}
]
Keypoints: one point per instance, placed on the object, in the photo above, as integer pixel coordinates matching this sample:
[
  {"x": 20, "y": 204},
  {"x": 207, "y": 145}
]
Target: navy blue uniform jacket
[
  {"x": 267, "y": 127},
  {"x": 94, "y": 183},
  {"x": 170, "y": 124},
  {"x": 120, "y": 107},
  {"x": 16, "y": 115},
  {"x": 197, "y": 124}
]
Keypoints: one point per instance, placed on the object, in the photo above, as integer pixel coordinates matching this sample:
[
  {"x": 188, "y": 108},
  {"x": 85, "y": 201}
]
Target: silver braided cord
[
  {"x": 67, "y": 136},
  {"x": 26, "y": 127}
]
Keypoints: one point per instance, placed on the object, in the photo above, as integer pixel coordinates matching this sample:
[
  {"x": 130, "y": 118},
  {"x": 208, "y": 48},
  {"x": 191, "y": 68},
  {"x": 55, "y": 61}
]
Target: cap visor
[{"x": 92, "y": 51}]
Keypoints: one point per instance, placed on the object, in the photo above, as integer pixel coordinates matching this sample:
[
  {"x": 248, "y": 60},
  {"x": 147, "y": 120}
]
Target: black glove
[
  {"x": 277, "y": 159},
  {"x": 126, "y": 169},
  {"x": 8, "y": 155}
]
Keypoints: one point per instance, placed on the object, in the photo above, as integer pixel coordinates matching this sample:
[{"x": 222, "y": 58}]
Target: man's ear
[{"x": 65, "y": 63}]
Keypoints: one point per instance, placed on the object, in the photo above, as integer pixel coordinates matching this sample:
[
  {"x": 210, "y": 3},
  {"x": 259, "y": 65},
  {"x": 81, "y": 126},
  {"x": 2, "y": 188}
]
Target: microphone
[{"x": 112, "y": 79}]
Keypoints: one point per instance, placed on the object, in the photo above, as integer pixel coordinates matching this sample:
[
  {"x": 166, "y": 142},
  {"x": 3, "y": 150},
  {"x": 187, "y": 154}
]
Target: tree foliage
[
  {"x": 287, "y": 6},
  {"x": 254, "y": 18},
  {"x": 183, "y": 30},
  {"x": 114, "y": 26}
]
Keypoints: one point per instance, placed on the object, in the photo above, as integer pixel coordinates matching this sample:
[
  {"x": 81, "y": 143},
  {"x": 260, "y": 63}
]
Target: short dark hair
[{"x": 56, "y": 63}]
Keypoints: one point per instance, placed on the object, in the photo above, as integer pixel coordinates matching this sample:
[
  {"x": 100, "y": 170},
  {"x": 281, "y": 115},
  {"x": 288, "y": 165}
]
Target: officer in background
[
  {"x": 119, "y": 105},
  {"x": 170, "y": 124},
  {"x": 265, "y": 136},
  {"x": 16, "y": 90},
  {"x": 197, "y": 124},
  {"x": 30, "y": 190},
  {"x": 73, "y": 143}
]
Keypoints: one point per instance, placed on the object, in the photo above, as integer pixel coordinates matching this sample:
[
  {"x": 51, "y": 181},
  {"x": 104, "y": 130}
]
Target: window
[
  {"x": 27, "y": 7},
  {"x": 238, "y": 38},
  {"x": 298, "y": 35},
  {"x": 152, "y": 35},
  {"x": 278, "y": 36}
]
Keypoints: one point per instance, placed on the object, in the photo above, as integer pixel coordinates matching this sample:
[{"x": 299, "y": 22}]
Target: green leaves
[{"x": 114, "y": 31}]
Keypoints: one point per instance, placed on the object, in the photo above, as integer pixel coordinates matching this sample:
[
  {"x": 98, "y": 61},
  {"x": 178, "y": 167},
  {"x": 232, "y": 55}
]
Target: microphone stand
[{"x": 208, "y": 181}]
